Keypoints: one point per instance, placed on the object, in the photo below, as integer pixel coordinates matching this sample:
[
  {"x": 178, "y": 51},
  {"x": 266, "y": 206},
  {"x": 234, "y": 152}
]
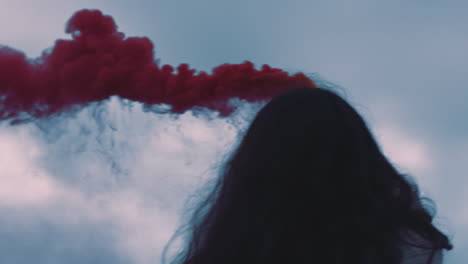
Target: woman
[{"x": 309, "y": 184}]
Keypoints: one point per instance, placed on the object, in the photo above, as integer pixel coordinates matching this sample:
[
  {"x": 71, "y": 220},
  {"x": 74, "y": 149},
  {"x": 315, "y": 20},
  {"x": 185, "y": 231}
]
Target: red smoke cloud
[{"x": 100, "y": 62}]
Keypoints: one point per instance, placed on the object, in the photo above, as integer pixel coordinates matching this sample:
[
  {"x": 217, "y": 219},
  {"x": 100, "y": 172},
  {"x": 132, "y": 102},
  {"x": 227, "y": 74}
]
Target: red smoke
[{"x": 100, "y": 62}]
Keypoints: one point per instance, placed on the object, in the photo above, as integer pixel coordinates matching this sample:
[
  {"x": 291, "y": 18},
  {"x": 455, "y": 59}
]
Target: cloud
[
  {"x": 32, "y": 201},
  {"x": 23, "y": 183},
  {"x": 409, "y": 153},
  {"x": 58, "y": 184}
]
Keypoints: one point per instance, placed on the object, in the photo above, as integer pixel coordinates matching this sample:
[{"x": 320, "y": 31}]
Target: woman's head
[{"x": 307, "y": 182}]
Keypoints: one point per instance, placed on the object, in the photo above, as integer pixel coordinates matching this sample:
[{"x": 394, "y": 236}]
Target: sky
[{"x": 110, "y": 185}]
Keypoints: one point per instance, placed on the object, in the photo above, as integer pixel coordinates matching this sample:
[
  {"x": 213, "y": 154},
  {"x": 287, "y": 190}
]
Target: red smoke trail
[{"x": 100, "y": 62}]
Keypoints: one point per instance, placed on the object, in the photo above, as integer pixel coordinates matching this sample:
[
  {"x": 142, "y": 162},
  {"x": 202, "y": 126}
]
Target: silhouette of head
[{"x": 308, "y": 184}]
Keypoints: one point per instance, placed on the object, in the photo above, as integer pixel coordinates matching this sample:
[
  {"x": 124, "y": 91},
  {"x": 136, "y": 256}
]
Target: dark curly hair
[{"x": 309, "y": 184}]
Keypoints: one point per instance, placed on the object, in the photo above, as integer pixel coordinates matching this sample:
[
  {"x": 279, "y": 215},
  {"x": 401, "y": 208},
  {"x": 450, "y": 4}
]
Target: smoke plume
[{"x": 100, "y": 62}]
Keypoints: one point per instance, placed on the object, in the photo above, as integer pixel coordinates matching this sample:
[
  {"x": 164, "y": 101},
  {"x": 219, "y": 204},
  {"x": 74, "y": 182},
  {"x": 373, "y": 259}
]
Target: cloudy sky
[{"x": 109, "y": 184}]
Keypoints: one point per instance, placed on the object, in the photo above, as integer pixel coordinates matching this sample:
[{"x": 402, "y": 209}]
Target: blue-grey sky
[{"x": 75, "y": 191}]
